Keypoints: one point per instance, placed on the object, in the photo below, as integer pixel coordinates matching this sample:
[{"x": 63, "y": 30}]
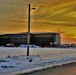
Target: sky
[{"x": 49, "y": 16}]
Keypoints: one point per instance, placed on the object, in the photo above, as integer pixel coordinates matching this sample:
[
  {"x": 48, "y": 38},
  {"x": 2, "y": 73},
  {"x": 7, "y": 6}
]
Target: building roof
[
  {"x": 45, "y": 33},
  {"x": 31, "y": 33}
]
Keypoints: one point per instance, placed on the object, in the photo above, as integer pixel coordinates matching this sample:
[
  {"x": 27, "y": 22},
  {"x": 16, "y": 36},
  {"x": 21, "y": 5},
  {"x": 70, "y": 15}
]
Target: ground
[{"x": 14, "y": 60}]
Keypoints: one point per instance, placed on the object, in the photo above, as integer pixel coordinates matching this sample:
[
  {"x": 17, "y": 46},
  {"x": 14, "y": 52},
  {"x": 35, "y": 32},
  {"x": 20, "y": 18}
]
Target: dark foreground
[{"x": 65, "y": 70}]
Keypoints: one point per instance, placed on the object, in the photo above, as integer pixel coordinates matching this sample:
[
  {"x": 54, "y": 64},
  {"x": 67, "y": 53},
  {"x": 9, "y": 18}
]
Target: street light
[{"x": 28, "y": 37}]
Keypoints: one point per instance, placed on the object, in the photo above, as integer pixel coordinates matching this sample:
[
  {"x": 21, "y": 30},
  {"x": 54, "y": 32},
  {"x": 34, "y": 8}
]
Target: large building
[{"x": 40, "y": 39}]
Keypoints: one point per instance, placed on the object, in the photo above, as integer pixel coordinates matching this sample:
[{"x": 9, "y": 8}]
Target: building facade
[{"x": 40, "y": 39}]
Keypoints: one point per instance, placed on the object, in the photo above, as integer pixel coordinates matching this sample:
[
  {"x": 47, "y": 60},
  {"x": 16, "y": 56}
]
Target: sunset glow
[{"x": 49, "y": 16}]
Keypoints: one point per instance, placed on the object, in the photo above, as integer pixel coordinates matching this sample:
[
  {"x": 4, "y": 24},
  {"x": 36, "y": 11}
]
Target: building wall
[
  {"x": 56, "y": 39},
  {"x": 41, "y": 39}
]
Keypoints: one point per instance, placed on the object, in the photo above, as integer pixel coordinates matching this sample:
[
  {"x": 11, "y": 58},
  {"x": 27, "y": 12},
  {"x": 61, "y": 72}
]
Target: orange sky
[{"x": 49, "y": 16}]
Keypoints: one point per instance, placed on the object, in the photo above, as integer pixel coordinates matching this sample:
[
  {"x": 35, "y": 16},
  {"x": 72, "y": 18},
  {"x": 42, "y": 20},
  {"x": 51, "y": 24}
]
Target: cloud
[{"x": 49, "y": 15}]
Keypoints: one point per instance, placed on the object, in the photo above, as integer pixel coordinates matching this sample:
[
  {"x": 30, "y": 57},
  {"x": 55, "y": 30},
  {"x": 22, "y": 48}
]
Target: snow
[
  {"x": 31, "y": 46},
  {"x": 18, "y": 62}
]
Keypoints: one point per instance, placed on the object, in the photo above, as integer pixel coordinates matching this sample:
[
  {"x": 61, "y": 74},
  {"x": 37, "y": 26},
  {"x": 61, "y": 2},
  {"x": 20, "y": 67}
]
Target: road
[{"x": 67, "y": 70}]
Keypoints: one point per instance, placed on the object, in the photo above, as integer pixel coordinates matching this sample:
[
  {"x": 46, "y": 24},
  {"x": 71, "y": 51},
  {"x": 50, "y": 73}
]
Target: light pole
[{"x": 28, "y": 37}]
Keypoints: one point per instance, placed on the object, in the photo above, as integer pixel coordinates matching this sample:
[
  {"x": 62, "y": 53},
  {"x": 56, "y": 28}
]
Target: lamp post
[{"x": 28, "y": 37}]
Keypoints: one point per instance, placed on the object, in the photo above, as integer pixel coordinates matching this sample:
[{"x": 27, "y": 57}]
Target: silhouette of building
[{"x": 40, "y": 39}]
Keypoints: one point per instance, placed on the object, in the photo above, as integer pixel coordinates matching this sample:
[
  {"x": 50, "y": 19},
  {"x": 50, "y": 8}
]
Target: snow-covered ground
[{"x": 14, "y": 60}]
